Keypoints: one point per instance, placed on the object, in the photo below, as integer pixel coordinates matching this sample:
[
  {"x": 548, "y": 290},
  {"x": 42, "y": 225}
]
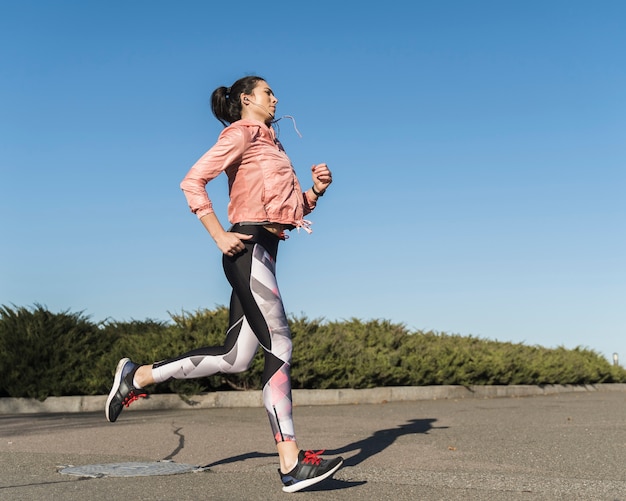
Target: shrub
[{"x": 44, "y": 353}]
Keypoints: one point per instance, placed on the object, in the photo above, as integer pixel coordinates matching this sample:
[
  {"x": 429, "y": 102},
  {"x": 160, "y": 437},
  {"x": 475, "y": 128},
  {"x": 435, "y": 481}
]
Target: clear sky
[{"x": 478, "y": 152}]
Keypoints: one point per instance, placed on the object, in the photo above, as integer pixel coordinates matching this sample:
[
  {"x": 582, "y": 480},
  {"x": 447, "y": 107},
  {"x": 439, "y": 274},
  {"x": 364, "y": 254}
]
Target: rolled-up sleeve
[
  {"x": 227, "y": 151},
  {"x": 309, "y": 204}
]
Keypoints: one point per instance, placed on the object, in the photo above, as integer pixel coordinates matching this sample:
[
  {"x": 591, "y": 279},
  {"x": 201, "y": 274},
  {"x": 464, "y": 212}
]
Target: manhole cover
[{"x": 130, "y": 469}]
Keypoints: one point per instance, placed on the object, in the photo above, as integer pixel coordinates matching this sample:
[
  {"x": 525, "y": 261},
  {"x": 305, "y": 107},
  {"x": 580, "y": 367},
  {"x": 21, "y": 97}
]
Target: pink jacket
[{"x": 261, "y": 180}]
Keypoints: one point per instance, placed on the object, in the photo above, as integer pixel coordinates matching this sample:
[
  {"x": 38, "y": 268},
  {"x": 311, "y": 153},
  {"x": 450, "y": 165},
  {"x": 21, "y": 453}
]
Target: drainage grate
[{"x": 130, "y": 469}]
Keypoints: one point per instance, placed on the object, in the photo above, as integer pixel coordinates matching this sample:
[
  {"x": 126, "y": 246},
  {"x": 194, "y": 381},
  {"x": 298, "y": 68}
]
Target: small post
[{"x": 615, "y": 359}]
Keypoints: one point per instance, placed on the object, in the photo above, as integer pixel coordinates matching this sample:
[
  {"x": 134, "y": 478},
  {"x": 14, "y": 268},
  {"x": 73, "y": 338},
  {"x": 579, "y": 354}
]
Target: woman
[{"x": 265, "y": 201}]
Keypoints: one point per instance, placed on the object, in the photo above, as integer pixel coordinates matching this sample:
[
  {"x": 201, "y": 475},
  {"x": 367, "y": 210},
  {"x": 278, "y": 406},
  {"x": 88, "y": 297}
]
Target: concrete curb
[{"x": 233, "y": 399}]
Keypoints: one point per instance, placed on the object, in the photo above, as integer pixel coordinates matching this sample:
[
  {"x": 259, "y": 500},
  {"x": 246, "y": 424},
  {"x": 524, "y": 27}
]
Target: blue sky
[{"x": 477, "y": 148}]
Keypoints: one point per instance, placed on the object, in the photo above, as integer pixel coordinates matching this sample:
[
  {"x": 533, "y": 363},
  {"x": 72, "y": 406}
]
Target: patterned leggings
[{"x": 257, "y": 317}]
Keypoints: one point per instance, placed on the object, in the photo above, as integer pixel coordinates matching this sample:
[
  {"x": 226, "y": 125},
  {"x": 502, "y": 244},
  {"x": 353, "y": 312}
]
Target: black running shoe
[
  {"x": 123, "y": 393},
  {"x": 310, "y": 470}
]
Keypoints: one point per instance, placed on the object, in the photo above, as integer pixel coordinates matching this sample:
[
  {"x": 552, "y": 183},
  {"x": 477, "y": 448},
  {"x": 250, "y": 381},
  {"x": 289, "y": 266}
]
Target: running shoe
[
  {"x": 310, "y": 470},
  {"x": 123, "y": 393}
]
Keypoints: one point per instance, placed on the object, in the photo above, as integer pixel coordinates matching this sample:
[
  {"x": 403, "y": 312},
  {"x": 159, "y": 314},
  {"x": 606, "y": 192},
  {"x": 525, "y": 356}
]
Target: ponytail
[{"x": 226, "y": 102}]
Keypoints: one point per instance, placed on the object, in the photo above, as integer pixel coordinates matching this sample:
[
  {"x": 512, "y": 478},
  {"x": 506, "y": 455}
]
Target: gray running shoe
[
  {"x": 123, "y": 393},
  {"x": 310, "y": 470}
]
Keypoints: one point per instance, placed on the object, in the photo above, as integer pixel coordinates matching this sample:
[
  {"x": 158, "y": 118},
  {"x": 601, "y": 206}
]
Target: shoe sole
[
  {"x": 303, "y": 484},
  {"x": 117, "y": 380}
]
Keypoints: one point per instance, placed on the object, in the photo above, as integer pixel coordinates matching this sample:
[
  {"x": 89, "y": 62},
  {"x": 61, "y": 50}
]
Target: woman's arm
[{"x": 227, "y": 151}]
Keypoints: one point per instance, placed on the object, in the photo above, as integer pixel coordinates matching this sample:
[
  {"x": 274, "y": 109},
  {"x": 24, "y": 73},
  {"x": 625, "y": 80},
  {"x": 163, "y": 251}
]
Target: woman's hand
[
  {"x": 322, "y": 177},
  {"x": 231, "y": 243}
]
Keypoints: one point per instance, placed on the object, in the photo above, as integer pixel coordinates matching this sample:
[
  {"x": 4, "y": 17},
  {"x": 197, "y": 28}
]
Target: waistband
[{"x": 260, "y": 235}]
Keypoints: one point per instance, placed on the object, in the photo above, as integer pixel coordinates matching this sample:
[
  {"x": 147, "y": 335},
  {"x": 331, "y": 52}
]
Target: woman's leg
[
  {"x": 253, "y": 278},
  {"x": 234, "y": 356}
]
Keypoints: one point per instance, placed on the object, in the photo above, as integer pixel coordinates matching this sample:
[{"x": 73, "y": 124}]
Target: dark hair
[{"x": 225, "y": 101}]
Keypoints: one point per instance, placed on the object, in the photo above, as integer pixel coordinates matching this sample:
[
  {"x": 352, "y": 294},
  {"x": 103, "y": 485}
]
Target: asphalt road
[{"x": 568, "y": 446}]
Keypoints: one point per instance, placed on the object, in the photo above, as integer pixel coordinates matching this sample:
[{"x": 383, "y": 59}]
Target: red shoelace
[
  {"x": 132, "y": 396},
  {"x": 312, "y": 457}
]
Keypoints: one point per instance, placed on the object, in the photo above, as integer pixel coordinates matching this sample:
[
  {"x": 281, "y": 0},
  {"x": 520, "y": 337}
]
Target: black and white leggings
[{"x": 257, "y": 317}]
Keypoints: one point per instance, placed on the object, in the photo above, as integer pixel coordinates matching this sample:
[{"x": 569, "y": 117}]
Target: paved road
[{"x": 560, "y": 447}]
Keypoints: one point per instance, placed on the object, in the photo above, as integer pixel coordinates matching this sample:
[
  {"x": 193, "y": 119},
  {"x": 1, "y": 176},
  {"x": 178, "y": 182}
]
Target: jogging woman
[{"x": 265, "y": 201}]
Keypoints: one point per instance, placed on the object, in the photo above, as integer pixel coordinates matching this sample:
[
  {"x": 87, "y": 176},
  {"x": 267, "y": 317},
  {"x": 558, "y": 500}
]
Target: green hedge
[{"x": 55, "y": 354}]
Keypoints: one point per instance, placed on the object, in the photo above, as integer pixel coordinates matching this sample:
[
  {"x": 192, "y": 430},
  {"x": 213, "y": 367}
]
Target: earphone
[{"x": 246, "y": 100}]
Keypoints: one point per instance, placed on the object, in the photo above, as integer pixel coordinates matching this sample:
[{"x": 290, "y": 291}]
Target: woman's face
[{"x": 261, "y": 104}]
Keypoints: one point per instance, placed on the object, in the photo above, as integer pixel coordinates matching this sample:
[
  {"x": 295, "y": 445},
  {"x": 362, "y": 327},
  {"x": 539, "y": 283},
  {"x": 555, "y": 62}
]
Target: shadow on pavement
[
  {"x": 381, "y": 439},
  {"x": 370, "y": 446},
  {"x": 367, "y": 447}
]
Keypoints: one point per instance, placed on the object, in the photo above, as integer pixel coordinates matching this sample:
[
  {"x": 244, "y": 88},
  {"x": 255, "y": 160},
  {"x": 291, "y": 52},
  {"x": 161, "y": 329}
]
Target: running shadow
[
  {"x": 381, "y": 439},
  {"x": 370, "y": 446},
  {"x": 367, "y": 447}
]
